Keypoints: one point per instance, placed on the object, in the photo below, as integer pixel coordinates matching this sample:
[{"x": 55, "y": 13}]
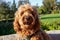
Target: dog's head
[{"x": 26, "y": 17}]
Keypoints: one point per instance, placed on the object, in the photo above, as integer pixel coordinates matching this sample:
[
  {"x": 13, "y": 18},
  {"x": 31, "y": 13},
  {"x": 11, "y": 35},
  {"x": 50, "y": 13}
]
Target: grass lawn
[
  {"x": 50, "y": 21},
  {"x": 50, "y": 18}
]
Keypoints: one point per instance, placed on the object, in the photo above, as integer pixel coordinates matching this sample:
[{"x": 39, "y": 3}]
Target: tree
[
  {"x": 49, "y": 5},
  {"x": 13, "y": 8},
  {"x": 58, "y": 5},
  {"x": 4, "y": 10},
  {"x": 42, "y": 10},
  {"x": 21, "y": 2}
]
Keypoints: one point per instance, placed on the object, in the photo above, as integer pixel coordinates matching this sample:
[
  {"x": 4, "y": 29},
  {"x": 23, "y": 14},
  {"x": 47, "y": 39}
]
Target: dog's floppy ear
[
  {"x": 16, "y": 23},
  {"x": 37, "y": 22}
]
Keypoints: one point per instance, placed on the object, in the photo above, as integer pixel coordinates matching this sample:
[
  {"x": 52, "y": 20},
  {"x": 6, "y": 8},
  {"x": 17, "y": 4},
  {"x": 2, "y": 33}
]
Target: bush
[
  {"x": 6, "y": 27},
  {"x": 51, "y": 26},
  {"x": 55, "y": 11}
]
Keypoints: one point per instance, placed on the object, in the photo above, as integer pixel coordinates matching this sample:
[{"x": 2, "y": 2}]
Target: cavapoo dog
[{"x": 27, "y": 25}]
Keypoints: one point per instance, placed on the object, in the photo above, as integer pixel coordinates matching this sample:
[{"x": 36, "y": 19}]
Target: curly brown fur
[{"x": 27, "y": 23}]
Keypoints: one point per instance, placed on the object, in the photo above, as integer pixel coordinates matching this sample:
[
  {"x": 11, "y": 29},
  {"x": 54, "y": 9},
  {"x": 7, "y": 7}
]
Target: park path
[
  {"x": 54, "y": 34},
  {"x": 9, "y": 37}
]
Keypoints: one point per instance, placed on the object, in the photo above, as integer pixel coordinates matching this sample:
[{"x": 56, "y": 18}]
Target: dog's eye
[
  {"x": 22, "y": 13},
  {"x": 32, "y": 13}
]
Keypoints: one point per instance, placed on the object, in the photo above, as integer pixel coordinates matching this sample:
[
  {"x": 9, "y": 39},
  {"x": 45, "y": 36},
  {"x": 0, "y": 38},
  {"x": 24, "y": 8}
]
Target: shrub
[
  {"x": 55, "y": 11},
  {"x": 51, "y": 26},
  {"x": 6, "y": 27}
]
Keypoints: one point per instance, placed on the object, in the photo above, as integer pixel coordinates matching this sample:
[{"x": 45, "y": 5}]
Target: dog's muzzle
[{"x": 27, "y": 20}]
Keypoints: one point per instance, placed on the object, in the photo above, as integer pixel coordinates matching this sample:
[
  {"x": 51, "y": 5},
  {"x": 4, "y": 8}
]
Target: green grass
[
  {"x": 50, "y": 21},
  {"x": 50, "y": 15},
  {"x": 50, "y": 18}
]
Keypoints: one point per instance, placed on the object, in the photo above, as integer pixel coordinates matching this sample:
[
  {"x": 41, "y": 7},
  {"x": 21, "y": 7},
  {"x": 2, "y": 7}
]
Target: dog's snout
[{"x": 27, "y": 17}]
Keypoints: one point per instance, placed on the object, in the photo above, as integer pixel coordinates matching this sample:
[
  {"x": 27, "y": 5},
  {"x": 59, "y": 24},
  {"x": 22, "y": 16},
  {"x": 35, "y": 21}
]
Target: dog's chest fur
[{"x": 29, "y": 37}]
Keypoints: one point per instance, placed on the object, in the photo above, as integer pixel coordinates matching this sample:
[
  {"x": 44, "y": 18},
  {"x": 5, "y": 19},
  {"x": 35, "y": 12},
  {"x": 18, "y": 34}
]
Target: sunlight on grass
[
  {"x": 50, "y": 15},
  {"x": 50, "y": 18},
  {"x": 50, "y": 21}
]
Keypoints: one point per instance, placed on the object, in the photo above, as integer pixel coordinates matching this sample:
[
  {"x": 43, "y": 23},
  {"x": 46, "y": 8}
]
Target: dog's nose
[{"x": 27, "y": 17}]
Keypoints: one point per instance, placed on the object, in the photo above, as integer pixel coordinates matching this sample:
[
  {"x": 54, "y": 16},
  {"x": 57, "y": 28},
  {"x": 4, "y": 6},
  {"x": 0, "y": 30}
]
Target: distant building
[{"x": 20, "y": 2}]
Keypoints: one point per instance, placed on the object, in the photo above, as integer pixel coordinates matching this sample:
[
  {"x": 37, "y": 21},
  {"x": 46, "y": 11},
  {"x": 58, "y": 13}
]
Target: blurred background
[{"x": 48, "y": 10}]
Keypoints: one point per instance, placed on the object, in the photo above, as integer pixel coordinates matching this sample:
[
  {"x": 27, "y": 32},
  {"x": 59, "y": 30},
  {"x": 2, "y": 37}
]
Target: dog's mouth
[
  {"x": 27, "y": 23},
  {"x": 27, "y": 20}
]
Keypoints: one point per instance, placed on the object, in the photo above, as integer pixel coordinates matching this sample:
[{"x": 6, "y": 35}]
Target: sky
[{"x": 33, "y": 2}]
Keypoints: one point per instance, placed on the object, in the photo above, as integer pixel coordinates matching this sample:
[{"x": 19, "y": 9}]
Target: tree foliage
[
  {"x": 7, "y": 10},
  {"x": 49, "y": 5},
  {"x": 21, "y": 2},
  {"x": 4, "y": 9},
  {"x": 58, "y": 5},
  {"x": 42, "y": 10},
  {"x": 13, "y": 8}
]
